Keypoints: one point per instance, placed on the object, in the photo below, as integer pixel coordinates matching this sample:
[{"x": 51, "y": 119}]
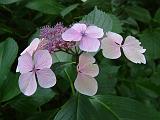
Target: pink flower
[
  {"x": 131, "y": 47},
  {"x": 34, "y": 66},
  {"x": 87, "y": 36},
  {"x": 85, "y": 82}
]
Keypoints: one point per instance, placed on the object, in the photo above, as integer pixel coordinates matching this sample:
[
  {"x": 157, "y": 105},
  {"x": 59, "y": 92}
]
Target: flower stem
[{"x": 71, "y": 83}]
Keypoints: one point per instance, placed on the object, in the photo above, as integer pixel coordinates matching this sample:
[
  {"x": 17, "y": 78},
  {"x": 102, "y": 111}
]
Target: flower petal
[
  {"x": 85, "y": 59},
  {"x": 89, "y": 44},
  {"x": 27, "y": 83},
  {"x": 32, "y": 47},
  {"x": 17, "y": 69},
  {"x": 110, "y": 49},
  {"x": 71, "y": 35},
  {"x": 42, "y": 59},
  {"x": 115, "y": 37},
  {"x": 25, "y": 63},
  {"x": 79, "y": 27},
  {"x": 46, "y": 78},
  {"x": 86, "y": 85},
  {"x": 94, "y": 32},
  {"x": 133, "y": 51},
  {"x": 90, "y": 69}
]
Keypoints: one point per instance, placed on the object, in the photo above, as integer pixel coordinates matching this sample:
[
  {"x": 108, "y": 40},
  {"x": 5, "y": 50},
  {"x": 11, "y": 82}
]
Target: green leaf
[
  {"x": 47, "y": 115},
  {"x": 69, "y": 9},
  {"x": 103, "y": 4},
  {"x": 121, "y": 108},
  {"x": 147, "y": 87},
  {"x": 8, "y": 53},
  {"x": 31, "y": 103},
  {"x": 139, "y": 13},
  {"x": 116, "y": 24},
  {"x": 66, "y": 73},
  {"x": 100, "y": 19},
  {"x": 151, "y": 41},
  {"x": 45, "y": 6},
  {"x": 61, "y": 56},
  {"x": 10, "y": 88},
  {"x": 157, "y": 16},
  {"x": 155, "y": 76},
  {"x": 77, "y": 108},
  {"x": 107, "y": 77},
  {"x": 61, "y": 68},
  {"x": 8, "y": 1}
]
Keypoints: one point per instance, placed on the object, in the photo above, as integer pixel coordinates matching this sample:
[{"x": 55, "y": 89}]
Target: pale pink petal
[
  {"x": 115, "y": 37},
  {"x": 86, "y": 85},
  {"x": 94, "y": 32},
  {"x": 71, "y": 35},
  {"x": 89, "y": 44},
  {"x": 25, "y": 63},
  {"x": 132, "y": 41},
  {"x": 133, "y": 51},
  {"x": 110, "y": 49},
  {"x": 79, "y": 27},
  {"x": 32, "y": 47},
  {"x": 27, "y": 83},
  {"x": 85, "y": 59},
  {"x": 42, "y": 59},
  {"x": 46, "y": 78},
  {"x": 90, "y": 69},
  {"x": 17, "y": 69}
]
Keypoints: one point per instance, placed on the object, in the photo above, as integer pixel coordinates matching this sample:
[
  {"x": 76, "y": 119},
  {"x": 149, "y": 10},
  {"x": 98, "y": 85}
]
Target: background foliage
[{"x": 126, "y": 91}]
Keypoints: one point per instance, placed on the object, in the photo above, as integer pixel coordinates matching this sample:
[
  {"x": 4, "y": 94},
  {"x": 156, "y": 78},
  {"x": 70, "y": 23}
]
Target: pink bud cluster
[{"x": 52, "y": 38}]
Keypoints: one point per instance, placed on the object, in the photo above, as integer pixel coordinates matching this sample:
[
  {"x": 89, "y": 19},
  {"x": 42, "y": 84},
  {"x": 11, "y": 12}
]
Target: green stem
[{"x": 71, "y": 83}]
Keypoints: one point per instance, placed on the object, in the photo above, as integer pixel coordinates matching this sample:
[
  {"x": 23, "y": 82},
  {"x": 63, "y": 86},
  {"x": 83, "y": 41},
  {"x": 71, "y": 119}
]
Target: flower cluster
[
  {"x": 52, "y": 38},
  {"x": 36, "y": 59}
]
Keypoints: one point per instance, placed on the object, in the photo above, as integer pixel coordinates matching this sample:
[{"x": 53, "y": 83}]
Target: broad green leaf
[
  {"x": 69, "y": 9},
  {"x": 139, "y": 13},
  {"x": 8, "y": 53},
  {"x": 8, "y": 1},
  {"x": 107, "y": 77},
  {"x": 156, "y": 75},
  {"x": 116, "y": 24},
  {"x": 30, "y": 104},
  {"x": 77, "y": 108},
  {"x": 103, "y": 4},
  {"x": 5, "y": 29},
  {"x": 121, "y": 108},
  {"x": 10, "y": 88},
  {"x": 63, "y": 69},
  {"x": 66, "y": 73},
  {"x": 146, "y": 87},
  {"x": 45, "y": 6},
  {"x": 45, "y": 115},
  {"x": 99, "y": 18},
  {"x": 61, "y": 56},
  {"x": 151, "y": 41},
  {"x": 157, "y": 16}
]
